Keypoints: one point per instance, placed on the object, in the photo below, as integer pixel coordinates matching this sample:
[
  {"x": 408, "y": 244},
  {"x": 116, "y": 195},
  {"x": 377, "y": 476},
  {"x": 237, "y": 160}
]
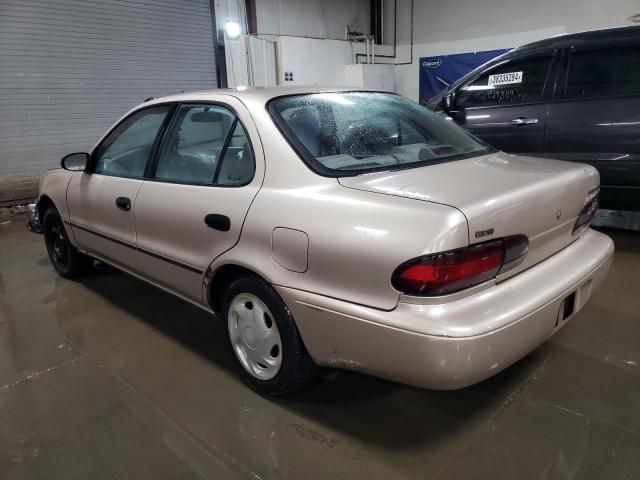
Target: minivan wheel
[
  {"x": 66, "y": 259},
  {"x": 265, "y": 339}
]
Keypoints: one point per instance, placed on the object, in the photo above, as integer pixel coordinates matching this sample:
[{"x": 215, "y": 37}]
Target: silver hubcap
[{"x": 254, "y": 336}]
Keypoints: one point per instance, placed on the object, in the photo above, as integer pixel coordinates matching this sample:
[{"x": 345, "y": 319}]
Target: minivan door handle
[
  {"x": 522, "y": 121},
  {"x": 218, "y": 222},
  {"x": 123, "y": 203}
]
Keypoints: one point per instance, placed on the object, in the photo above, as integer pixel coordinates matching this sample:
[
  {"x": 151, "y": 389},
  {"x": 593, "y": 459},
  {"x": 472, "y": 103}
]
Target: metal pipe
[
  {"x": 368, "y": 53},
  {"x": 395, "y": 37},
  {"x": 382, "y": 22},
  {"x": 373, "y": 50}
]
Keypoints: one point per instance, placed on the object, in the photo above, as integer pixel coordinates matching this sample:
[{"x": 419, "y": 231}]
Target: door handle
[
  {"x": 522, "y": 121},
  {"x": 218, "y": 222},
  {"x": 123, "y": 203}
]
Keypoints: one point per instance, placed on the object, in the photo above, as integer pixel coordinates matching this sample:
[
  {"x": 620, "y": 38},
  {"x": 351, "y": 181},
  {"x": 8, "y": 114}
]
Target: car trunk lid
[{"x": 500, "y": 195}]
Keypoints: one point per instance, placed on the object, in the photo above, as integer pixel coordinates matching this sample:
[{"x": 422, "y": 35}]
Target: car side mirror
[{"x": 76, "y": 162}]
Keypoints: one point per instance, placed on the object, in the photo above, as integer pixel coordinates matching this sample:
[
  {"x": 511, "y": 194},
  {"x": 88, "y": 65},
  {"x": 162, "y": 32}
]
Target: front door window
[
  {"x": 125, "y": 151},
  {"x": 513, "y": 83}
]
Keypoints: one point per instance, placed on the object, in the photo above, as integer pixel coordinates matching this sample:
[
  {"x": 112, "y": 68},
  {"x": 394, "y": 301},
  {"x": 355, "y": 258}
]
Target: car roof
[
  {"x": 584, "y": 38},
  {"x": 259, "y": 94},
  {"x": 616, "y": 34}
]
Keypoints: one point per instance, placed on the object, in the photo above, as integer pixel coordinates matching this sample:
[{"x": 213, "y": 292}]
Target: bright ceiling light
[{"x": 232, "y": 30}]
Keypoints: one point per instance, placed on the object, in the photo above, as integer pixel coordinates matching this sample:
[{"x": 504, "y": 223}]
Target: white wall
[
  {"x": 312, "y": 18},
  {"x": 459, "y": 26},
  {"x": 376, "y": 77},
  {"x": 312, "y": 61},
  {"x": 309, "y": 35},
  {"x": 324, "y": 62}
]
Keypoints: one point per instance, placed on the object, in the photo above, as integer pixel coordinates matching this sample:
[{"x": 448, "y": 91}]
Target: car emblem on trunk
[
  {"x": 484, "y": 233},
  {"x": 558, "y": 215}
]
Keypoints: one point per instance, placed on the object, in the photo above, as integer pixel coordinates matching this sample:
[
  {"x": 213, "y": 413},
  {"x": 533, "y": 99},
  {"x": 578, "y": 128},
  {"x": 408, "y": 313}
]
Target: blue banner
[{"x": 437, "y": 73}]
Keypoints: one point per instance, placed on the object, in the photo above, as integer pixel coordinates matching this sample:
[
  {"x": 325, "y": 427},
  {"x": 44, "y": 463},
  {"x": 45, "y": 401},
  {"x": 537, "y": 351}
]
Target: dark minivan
[{"x": 572, "y": 97}]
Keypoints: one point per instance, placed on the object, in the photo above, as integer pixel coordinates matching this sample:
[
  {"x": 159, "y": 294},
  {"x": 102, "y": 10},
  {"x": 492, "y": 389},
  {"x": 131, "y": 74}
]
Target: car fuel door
[{"x": 207, "y": 172}]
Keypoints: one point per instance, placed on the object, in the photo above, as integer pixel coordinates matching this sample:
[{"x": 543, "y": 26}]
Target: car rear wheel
[
  {"x": 265, "y": 339},
  {"x": 66, "y": 259}
]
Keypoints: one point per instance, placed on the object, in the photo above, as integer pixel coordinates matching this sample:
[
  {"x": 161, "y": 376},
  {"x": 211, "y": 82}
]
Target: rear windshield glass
[{"x": 347, "y": 133}]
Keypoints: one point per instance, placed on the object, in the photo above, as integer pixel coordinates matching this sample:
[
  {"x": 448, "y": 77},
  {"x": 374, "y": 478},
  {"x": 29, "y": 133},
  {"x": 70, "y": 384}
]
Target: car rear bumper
[{"x": 453, "y": 345}]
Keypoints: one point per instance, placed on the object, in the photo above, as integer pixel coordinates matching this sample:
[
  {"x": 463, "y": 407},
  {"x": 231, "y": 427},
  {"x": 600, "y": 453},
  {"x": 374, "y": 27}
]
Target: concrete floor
[{"x": 109, "y": 378}]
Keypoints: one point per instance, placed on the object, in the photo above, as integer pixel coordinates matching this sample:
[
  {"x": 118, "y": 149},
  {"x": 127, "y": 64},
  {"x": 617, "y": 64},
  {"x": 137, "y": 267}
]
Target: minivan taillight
[
  {"x": 452, "y": 271},
  {"x": 586, "y": 215}
]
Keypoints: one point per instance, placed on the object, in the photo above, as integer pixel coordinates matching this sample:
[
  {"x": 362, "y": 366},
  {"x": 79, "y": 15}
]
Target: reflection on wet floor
[{"x": 109, "y": 378}]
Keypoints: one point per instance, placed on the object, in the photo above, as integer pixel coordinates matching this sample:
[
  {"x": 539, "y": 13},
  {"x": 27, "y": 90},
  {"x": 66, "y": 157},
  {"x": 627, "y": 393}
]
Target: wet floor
[{"x": 109, "y": 378}]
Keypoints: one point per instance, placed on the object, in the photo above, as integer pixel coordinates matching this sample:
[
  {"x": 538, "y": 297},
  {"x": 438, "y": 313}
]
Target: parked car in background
[
  {"x": 346, "y": 229},
  {"x": 572, "y": 97}
]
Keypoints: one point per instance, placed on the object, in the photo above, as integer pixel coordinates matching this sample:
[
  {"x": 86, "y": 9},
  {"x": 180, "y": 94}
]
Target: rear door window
[
  {"x": 194, "y": 144},
  {"x": 237, "y": 164},
  {"x": 513, "y": 83},
  {"x": 604, "y": 72},
  {"x": 206, "y": 145}
]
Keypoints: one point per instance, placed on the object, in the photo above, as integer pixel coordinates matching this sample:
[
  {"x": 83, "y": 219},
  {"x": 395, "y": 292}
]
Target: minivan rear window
[
  {"x": 604, "y": 72},
  {"x": 348, "y": 133}
]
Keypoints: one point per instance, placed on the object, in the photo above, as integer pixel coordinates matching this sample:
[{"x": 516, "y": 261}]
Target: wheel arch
[
  {"x": 44, "y": 203},
  {"x": 219, "y": 280}
]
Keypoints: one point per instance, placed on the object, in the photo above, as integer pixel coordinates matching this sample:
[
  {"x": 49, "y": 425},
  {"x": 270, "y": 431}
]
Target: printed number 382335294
[{"x": 505, "y": 78}]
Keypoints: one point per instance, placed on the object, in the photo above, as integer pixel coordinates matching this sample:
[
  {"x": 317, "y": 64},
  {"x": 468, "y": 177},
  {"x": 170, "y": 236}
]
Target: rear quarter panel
[{"x": 356, "y": 239}]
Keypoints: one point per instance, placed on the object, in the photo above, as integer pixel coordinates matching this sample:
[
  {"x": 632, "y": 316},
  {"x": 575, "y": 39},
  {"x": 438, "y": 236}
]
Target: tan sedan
[{"x": 336, "y": 228}]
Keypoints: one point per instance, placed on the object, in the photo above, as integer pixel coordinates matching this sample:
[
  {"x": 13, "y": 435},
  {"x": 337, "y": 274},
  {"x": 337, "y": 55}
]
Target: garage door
[{"x": 70, "y": 68}]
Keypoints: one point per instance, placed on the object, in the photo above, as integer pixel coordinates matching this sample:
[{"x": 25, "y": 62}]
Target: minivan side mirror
[
  {"x": 447, "y": 102},
  {"x": 75, "y": 162}
]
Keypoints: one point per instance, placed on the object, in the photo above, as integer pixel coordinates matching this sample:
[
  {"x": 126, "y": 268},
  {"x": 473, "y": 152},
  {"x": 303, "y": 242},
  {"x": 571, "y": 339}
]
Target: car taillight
[
  {"x": 586, "y": 215},
  {"x": 452, "y": 271}
]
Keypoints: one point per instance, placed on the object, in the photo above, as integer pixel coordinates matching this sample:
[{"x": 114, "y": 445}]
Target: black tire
[
  {"x": 66, "y": 259},
  {"x": 297, "y": 370}
]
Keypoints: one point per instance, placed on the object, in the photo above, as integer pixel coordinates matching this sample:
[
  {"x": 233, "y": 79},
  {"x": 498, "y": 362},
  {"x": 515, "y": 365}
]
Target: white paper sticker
[{"x": 505, "y": 78}]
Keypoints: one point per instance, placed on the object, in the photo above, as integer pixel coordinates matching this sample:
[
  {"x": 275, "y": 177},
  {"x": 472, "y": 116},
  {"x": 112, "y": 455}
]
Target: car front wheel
[
  {"x": 265, "y": 339},
  {"x": 66, "y": 259}
]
